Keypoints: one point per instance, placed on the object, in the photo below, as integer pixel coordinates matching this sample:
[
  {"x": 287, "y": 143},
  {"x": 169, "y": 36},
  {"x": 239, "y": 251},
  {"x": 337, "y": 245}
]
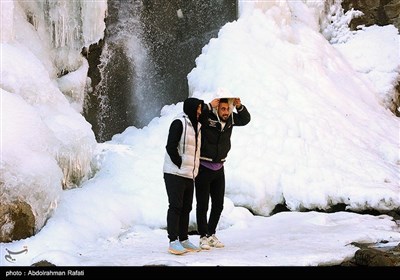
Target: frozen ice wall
[
  {"x": 28, "y": 168},
  {"x": 66, "y": 28},
  {"x": 44, "y": 79},
  {"x": 6, "y": 12},
  {"x": 312, "y": 123}
]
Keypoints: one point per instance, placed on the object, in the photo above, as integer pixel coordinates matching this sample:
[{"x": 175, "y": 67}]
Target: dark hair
[{"x": 223, "y": 100}]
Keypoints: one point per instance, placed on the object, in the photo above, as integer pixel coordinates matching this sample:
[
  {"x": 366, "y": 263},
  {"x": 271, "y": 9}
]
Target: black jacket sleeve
[
  {"x": 242, "y": 117},
  {"x": 204, "y": 113},
  {"x": 174, "y": 136}
]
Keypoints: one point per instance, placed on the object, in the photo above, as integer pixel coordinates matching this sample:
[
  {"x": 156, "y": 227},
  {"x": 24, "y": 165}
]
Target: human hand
[
  {"x": 214, "y": 103},
  {"x": 237, "y": 102}
]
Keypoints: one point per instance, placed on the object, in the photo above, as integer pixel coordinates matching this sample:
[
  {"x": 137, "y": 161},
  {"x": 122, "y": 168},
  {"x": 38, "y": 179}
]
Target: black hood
[{"x": 190, "y": 108}]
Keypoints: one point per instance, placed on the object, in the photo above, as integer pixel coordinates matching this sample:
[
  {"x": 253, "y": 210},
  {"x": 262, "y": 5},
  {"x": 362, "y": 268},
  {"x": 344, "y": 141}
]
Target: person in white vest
[
  {"x": 218, "y": 119},
  {"x": 181, "y": 165}
]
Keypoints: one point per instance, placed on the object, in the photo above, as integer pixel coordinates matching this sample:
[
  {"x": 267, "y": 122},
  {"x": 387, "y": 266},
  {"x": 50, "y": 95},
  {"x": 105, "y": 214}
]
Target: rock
[
  {"x": 17, "y": 221},
  {"x": 375, "y": 255},
  {"x": 43, "y": 263}
]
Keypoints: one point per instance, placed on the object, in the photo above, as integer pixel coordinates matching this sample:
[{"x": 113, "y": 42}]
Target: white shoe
[
  {"x": 204, "y": 243},
  {"x": 214, "y": 242},
  {"x": 189, "y": 246}
]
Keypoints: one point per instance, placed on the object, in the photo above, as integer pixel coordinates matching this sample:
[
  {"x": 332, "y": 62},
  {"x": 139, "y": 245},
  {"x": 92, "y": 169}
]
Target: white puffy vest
[{"x": 187, "y": 150}]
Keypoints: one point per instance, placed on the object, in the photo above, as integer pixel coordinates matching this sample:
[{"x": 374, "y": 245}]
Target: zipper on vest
[
  {"x": 184, "y": 137},
  {"x": 195, "y": 152}
]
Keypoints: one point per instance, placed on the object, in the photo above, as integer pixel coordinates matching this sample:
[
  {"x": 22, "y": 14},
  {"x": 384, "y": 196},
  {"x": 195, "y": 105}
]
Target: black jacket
[{"x": 216, "y": 143}]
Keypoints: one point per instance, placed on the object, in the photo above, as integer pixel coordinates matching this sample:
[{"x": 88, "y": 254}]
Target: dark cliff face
[
  {"x": 149, "y": 48},
  {"x": 380, "y": 12}
]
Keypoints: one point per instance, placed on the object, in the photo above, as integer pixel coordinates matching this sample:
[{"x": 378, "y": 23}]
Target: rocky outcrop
[
  {"x": 16, "y": 221},
  {"x": 375, "y": 255},
  {"x": 380, "y": 12}
]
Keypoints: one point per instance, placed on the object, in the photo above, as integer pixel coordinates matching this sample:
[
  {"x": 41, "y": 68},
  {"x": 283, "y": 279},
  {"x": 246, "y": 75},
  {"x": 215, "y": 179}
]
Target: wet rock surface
[{"x": 375, "y": 255}]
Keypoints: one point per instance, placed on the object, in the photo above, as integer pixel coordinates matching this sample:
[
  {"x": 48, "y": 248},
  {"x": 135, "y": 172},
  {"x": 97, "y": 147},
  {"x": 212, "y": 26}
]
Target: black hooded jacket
[
  {"x": 215, "y": 141},
  {"x": 175, "y": 131}
]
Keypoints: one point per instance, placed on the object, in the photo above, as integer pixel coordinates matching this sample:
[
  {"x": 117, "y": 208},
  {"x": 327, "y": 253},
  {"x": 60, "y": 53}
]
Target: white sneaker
[
  {"x": 214, "y": 242},
  {"x": 189, "y": 246},
  {"x": 204, "y": 243}
]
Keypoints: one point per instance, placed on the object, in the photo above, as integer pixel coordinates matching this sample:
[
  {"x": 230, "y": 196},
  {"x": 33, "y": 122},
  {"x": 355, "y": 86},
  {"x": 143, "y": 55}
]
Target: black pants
[
  {"x": 209, "y": 183},
  {"x": 180, "y": 198}
]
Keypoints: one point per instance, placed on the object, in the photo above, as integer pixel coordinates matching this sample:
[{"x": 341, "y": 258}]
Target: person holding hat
[
  {"x": 181, "y": 165},
  {"x": 218, "y": 119}
]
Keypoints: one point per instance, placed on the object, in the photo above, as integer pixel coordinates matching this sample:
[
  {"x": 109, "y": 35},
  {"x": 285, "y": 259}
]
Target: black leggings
[
  {"x": 180, "y": 198},
  {"x": 209, "y": 183}
]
